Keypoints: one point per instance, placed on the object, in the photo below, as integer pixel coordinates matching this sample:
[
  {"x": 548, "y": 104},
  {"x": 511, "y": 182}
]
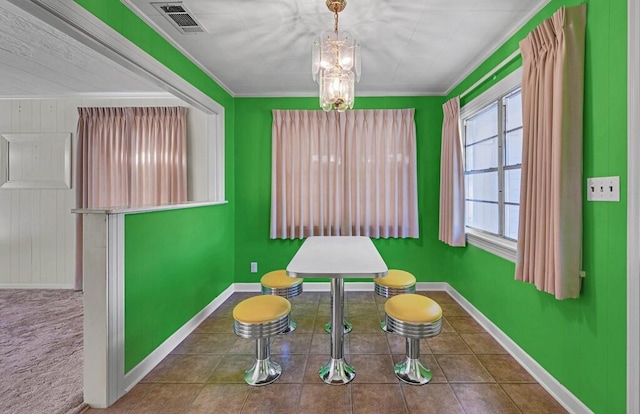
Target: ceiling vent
[{"x": 179, "y": 17}]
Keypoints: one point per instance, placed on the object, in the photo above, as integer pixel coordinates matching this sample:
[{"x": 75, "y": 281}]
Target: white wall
[{"x": 37, "y": 228}]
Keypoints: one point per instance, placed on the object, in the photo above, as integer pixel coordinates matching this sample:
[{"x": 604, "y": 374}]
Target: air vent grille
[{"x": 179, "y": 17}]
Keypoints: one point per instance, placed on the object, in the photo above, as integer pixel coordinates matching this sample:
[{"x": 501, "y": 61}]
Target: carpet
[{"x": 41, "y": 351}]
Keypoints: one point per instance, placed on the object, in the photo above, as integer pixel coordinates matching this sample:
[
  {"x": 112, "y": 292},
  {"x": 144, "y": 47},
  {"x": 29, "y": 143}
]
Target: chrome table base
[
  {"x": 347, "y": 327},
  {"x": 337, "y": 372}
]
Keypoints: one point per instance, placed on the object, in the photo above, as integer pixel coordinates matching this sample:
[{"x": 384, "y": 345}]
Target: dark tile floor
[{"x": 472, "y": 373}]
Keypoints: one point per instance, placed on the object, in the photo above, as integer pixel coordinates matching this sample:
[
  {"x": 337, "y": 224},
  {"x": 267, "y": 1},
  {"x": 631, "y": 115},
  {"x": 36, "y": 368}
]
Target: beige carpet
[{"x": 40, "y": 351}]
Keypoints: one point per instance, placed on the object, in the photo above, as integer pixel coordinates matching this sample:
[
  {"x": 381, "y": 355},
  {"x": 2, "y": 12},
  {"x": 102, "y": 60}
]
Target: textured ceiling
[
  {"x": 263, "y": 48},
  {"x": 37, "y": 60}
]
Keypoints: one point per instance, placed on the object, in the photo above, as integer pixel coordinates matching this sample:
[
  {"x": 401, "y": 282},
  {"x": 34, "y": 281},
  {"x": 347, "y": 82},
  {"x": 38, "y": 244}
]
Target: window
[
  {"x": 492, "y": 130},
  {"x": 349, "y": 174}
]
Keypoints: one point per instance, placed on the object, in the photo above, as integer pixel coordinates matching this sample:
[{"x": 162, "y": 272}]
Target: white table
[{"x": 337, "y": 257}]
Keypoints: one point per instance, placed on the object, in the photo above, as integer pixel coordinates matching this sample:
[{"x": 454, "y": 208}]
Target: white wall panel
[{"x": 37, "y": 229}]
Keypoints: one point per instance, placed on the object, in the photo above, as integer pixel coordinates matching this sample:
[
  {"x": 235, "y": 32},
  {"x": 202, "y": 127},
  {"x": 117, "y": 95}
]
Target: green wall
[
  {"x": 582, "y": 342},
  {"x": 176, "y": 263},
  {"x": 253, "y": 181}
]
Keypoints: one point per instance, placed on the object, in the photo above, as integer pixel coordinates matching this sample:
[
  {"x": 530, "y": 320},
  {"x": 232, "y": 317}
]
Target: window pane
[
  {"x": 482, "y": 155},
  {"x": 482, "y": 216},
  {"x": 484, "y": 125},
  {"x": 513, "y": 148},
  {"x": 514, "y": 111},
  {"x": 512, "y": 186},
  {"x": 482, "y": 186},
  {"x": 511, "y": 221}
]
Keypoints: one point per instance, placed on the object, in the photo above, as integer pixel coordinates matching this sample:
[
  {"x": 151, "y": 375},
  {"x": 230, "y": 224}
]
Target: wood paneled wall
[{"x": 37, "y": 228}]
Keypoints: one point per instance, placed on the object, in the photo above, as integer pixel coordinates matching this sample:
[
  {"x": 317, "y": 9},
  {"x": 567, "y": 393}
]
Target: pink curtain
[
  {"x": 351, "y": 173},
  {"x": 451, "y": 229},
  {"x": 550, "y": 229},
  {"x": 129, "y": 157},
  {"x": 159, "y": 155}
]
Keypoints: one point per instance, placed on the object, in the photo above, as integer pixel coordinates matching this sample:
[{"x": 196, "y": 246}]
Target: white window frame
[{"x": 500, "y": 246}]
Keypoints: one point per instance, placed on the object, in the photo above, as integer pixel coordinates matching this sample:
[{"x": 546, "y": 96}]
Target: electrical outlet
[
  {"x": 603, "y": 189},
  {"x": 254, "y": 267}
]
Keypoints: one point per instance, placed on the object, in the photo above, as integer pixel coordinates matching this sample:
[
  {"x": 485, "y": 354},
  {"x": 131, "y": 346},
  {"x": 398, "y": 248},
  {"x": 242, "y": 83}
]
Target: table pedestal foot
[
  {"x": 337, "y": 372},
  {"x": 347, "y": 327}
]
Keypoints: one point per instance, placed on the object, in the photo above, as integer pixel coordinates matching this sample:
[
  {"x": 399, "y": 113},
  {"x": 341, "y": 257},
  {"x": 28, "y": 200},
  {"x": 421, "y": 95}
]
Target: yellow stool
[
  {"x": 260, "y": 318},
  {"x": 396, "y": 282},
  {"x": 279, "y": 283},
  {"x": 414, "y": 317}
]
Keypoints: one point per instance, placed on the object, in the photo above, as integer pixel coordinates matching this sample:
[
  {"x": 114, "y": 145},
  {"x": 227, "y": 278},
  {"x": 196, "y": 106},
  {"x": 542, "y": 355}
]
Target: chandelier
[{"x": 336, "y": 64}]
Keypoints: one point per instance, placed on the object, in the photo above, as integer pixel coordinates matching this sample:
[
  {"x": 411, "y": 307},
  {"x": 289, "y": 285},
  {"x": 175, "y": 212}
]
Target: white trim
[
  {"x": 546, "y": 380},
  {"x": 504, "y": 86},
  {"x": 115, "y": 306},
  {"x": 633, "y": 208},
  {"x": 499, "y": 246},
  {"x": 490, "y": 73},
  {"x": 146, "y": 209},
  {"x": 138, "y": 372},
  {"x": 310, "y": 287},
  {"x": 508, "y": 35}
]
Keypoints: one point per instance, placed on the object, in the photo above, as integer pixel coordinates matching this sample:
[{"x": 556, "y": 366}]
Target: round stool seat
[
  {"x": 412, "y": 308},
  {"x": 261, "y": 309},
  {"x": 396, "y": 282},
  {"x": 396, "y": 279},
  {"x": 261, "y": 316},
  {"x": 279, "y": 283}
]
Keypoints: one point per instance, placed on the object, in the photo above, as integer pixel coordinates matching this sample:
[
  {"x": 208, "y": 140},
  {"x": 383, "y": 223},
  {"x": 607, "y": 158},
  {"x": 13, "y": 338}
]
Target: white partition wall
[{"x": 37, "y": 229}]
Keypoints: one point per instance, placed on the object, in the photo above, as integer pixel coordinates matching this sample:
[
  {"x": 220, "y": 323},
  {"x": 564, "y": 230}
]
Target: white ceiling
[{"x": 263, "y": 48}]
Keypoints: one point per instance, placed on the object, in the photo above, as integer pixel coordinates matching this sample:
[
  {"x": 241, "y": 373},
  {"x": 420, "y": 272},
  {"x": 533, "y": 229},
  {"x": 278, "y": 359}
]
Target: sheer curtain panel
[
  {"x": 451, "y": 229},
  {"x": 159, "y": 155},
  {"x": 129, "y": 157},
  {"x": 351, "y": 173},
  {"x": 550, "y": 229}
]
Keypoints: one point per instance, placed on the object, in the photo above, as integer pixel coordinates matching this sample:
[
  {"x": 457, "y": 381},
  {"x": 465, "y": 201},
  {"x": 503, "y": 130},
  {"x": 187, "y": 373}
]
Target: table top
[{"x": 337, "y": 256}]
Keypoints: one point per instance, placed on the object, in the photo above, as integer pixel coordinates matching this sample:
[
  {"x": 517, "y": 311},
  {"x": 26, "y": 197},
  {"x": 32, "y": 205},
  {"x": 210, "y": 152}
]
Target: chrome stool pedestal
[
  {"x": 260, "y": 318},
  {"x": 414, "y": 317}
]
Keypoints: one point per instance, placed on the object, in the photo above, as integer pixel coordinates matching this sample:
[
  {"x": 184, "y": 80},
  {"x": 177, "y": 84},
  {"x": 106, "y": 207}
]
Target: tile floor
[{"x": 472, "y": 372}]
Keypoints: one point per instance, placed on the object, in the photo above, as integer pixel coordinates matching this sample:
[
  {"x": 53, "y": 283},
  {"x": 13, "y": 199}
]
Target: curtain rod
[{"x": 491, "y": 73}]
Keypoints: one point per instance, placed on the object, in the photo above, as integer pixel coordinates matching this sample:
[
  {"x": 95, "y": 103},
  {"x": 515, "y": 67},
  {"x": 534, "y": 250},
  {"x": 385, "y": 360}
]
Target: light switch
[{"x": 603, "y": 189}]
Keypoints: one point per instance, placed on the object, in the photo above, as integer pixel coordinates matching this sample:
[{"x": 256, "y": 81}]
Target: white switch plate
[
  {"x": 254, "y": 267},
  {"x": 603, "y": 189}
]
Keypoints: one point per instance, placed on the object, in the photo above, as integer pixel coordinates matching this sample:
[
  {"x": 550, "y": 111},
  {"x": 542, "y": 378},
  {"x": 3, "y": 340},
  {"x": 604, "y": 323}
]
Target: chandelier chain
[{"x": 335, "y": 22}]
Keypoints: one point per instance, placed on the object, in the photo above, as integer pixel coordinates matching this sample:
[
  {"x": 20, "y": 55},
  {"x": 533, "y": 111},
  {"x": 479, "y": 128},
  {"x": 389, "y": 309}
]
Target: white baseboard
[
  {"x": 310, "y": 287},
  {"x": 546, "y": 380},
  {"x": 35, "y": 286},
  {"x": 143, "y": 368}
]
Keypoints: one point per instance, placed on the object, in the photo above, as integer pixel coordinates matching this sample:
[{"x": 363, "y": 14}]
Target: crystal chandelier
[{"x": 336, "y": 64}]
